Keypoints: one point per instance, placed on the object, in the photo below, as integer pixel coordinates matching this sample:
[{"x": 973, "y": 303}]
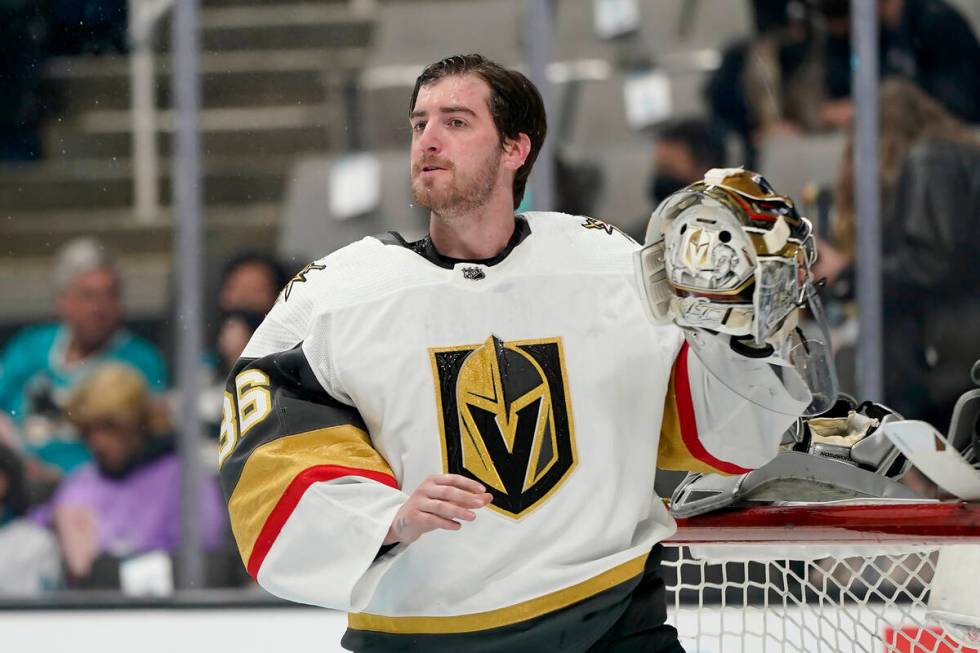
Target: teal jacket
[{"x": 35, "y": 382}]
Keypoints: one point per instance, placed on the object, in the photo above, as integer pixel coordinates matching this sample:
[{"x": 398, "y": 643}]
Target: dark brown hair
[{"x": 514, "y": 103}]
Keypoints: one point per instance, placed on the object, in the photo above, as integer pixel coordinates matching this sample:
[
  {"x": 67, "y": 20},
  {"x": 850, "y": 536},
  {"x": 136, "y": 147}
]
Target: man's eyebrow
[{"x": 450, "y": 109}]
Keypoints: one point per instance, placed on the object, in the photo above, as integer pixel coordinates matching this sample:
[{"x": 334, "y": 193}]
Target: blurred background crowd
[{"x": 305, "y": 135}]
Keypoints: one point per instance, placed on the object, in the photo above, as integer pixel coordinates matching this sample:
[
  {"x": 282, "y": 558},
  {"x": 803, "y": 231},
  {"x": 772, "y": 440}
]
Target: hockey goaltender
[{"x": 454, "y": 439}]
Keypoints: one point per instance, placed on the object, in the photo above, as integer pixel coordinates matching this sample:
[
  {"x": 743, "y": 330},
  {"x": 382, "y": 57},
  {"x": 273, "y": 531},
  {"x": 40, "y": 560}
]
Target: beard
[{"x": 461, "y": 193}]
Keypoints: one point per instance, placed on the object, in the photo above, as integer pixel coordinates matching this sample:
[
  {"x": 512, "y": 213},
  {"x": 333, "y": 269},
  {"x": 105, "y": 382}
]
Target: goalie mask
[{"x": 728, "y": 259}]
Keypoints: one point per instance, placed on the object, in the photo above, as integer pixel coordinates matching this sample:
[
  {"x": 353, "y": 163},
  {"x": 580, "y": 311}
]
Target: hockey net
[{"x": 815, "y": 578}]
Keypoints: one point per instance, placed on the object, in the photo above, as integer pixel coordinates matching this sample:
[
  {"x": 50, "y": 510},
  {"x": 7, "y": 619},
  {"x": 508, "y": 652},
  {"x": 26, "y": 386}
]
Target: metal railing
[{"x": 144, "y": 17}]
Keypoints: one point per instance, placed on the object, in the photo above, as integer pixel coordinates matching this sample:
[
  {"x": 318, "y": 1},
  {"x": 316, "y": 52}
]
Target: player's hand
[{"x": 438, "y": 502}]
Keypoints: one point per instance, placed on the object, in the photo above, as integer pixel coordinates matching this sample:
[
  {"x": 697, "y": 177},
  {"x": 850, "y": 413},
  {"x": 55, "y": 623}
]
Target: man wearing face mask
[{"x": 684, "y": 151}]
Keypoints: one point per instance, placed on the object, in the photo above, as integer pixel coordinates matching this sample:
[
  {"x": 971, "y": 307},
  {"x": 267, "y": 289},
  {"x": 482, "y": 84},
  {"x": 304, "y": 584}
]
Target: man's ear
[{"x": 516, "y": 151}]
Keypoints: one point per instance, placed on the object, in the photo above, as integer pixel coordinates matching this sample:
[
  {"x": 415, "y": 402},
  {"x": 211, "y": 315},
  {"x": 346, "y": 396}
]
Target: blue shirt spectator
[{"x": 42, "y": 364}]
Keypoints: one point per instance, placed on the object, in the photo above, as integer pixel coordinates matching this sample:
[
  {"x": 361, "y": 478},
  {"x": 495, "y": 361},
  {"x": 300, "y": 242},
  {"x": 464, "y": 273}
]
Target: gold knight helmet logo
[{"x": 505, "y": 418}]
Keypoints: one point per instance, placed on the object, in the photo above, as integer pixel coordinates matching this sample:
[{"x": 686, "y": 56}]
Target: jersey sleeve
[
  {"x": 709, "y": 428},
  {"x": 309, "y": 497}
]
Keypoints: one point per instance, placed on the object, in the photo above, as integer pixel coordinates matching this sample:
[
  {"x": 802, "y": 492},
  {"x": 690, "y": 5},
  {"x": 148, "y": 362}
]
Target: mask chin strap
[{"x": 748, "y": 347}]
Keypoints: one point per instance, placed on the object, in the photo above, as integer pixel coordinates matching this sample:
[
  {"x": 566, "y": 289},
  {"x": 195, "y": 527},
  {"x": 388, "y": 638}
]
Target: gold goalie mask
[{"x": 728, "y": 260}]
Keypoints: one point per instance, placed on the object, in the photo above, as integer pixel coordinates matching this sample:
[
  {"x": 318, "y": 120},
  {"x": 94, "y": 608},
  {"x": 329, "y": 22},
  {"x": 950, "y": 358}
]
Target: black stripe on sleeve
[{"x": 299, "y": 404}]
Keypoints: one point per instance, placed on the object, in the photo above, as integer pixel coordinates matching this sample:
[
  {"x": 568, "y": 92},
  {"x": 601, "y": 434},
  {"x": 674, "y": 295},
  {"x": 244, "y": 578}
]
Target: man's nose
[{"x": 429, "y": 139}]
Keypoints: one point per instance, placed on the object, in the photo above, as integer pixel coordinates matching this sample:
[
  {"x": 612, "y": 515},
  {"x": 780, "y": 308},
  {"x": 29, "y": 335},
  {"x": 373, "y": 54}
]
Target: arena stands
[{"x": 298, "y": 93}]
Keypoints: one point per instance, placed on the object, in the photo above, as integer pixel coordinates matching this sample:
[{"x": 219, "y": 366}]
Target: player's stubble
[{"x": 463, "y": 193}]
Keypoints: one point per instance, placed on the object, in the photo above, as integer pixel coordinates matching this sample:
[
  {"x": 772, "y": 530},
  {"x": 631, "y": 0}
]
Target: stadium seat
[
  {"x": 309, "y": 230},
  {"x": 671, "y": 25},
  {"x": 574, "y": 34},
  {"x": 405, "y": 44},
  {"x": 599, "y": 111},
  {"x": 626, "y": 170},
  {"x": 666, "y": 26},
  {"x": 792, "y": 162}
]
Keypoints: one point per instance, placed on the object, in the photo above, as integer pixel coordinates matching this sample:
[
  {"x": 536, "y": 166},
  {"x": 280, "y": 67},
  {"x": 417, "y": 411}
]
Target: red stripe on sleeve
[
  {"x": 287, "y": 502},
  {"x": 688, "y": 422}
]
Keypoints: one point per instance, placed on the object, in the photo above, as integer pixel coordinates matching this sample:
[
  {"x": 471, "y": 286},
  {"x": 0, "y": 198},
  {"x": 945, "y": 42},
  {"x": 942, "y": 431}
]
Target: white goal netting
[{"x": 815, "y": 596}]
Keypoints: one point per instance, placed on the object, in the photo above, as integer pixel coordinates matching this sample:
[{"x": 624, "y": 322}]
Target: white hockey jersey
[{"x": 535, "y": 373}]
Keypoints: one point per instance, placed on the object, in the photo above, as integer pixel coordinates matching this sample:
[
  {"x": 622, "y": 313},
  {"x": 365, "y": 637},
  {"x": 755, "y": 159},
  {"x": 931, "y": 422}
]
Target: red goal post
[
  {"x": 835, "y": 577},
  {"x": 935, "y": 522}
]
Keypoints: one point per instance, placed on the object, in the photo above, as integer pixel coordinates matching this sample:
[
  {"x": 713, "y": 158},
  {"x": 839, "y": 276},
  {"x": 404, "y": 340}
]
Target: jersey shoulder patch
[
  {"x": 364, "y": 270},
  {"x": 580, "y": 225},
  {"x": 584, "y": 243},
  {"x": 312, "y": 291},
  {"x": 301, "y": 277},
  {"x": 598, "y": 226}
]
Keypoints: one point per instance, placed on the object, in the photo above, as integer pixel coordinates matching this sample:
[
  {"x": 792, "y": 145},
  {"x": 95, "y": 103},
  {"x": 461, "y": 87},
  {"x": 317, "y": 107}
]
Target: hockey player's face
[{"x": 456, "y": 149}]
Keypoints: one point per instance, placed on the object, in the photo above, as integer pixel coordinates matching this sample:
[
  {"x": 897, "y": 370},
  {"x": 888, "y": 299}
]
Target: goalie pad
[{"x": 954, "y": 602}]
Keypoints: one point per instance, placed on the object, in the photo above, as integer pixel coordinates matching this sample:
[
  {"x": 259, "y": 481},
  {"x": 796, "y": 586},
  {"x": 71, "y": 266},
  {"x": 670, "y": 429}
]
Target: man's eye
[
  {"x": 418, "y": 127},
  {"x": 456, "y": 122}
]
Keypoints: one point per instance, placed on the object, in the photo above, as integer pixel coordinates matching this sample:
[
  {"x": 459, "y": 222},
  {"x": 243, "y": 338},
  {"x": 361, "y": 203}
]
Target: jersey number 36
[{"x": 254, "y": 401}]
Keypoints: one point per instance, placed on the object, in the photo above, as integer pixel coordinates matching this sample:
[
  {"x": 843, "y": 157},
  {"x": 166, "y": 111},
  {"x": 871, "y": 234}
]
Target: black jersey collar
[{"x": 427, "y": 250}]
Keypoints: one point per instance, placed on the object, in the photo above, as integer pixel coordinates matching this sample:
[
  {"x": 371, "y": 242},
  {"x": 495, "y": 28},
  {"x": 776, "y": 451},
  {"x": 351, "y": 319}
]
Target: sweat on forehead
[{"x": 454, "y": 93}]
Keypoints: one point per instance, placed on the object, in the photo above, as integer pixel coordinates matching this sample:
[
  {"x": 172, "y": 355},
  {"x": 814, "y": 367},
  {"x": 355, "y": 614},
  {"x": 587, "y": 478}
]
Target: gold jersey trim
[
  {"x": 672, "y": 452},
  {"x": 468, "y": 623},
  {"x": 273, "y": 466}
]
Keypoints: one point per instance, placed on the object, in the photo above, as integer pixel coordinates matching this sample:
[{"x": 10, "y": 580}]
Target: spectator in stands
[
  {"x": 796, "y": 75},
  {"x": 13, "y": 488},
  {"x": 930, "y": 219},
  {"x": 127, "y": 501},
  {"x": 22, "y": 48},
  {"x": 41, "y": 364},
  {"x": 251, "y": 282},
  {"x": 29, "y": 560},
  {"x": 747, "y": 94},
  {"x": 234, "y": 332},
  {"x": 685, "y": 149},
  {"x": 924, "y": 41}
]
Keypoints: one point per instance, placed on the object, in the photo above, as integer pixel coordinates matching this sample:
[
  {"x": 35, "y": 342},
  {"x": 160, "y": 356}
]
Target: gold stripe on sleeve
[
  {"x": 273, "y": 466},
  {"x": 672, "y": 452}
]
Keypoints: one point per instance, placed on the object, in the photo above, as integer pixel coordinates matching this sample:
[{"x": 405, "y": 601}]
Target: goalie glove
[
  {"x": 841, "y": 455},
  {"x": 728, "y": 260}
]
